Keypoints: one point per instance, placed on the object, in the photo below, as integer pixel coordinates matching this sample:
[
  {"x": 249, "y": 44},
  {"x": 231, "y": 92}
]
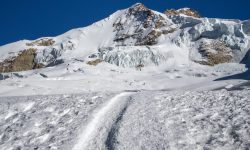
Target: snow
[
  {"x": 170, "y": 102},
  {"x": 50, "y": 122},
  {"x": 11, "y": 50},
  {"x": 82, "y": 42},
  {"x": 93, "y": 103},
  {"x": 186, "y": 120},
  {"x": 95, "y": 126},
  {"x": 108, "y": 77},
  {"x": 146, "y": 119}
]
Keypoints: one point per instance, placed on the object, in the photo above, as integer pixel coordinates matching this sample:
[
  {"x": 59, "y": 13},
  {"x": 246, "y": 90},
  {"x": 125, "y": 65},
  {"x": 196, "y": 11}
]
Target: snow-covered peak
[
  {"x": 127, "y": 35},
  {"x": 139, "y": 25},
  {"x": 138, "y": 6}
]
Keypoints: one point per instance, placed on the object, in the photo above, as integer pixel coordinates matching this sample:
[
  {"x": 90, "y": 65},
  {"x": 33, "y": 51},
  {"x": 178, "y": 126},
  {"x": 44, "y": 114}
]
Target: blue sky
[{"x": 31, "y": 19}]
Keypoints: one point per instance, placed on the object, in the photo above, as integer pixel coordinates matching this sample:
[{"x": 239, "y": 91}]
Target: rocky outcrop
[
  {"x": 94, "y": 62},
  {"x": 185, "y": 11},
  {"x": 23, "y": 61},
  {"x": 42, "y": 42},
  {"x": 215, "y": 53},
  {"x": 151, "y": 38},
  {"x": 223, "y": 40},
  {"x": 37, "y": 57},
  {"x": 140, "y": 26}
]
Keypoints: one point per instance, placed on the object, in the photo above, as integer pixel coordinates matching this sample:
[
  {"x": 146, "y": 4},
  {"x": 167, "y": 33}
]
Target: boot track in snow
[{"x": 101, "y": 131}]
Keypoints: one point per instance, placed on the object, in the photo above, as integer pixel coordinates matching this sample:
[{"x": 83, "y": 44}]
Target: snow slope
[
  {"x": 45, "y": 122},
  {"x": 143, "y": 120},
  {"x": 163, "y": 82}
]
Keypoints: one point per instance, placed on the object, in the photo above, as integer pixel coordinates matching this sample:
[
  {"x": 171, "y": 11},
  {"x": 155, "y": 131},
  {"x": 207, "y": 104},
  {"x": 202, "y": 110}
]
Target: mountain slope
[
  {"x": 138, "y": 79},
  {"x": 138, "y": 36}
]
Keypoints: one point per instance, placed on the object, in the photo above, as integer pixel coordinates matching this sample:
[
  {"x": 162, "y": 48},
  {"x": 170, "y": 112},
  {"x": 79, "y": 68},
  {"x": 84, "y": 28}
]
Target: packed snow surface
[{"x": 138, "y": 120}]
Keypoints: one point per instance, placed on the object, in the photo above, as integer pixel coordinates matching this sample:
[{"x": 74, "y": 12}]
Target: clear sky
[{"x": 31, "y": 19}]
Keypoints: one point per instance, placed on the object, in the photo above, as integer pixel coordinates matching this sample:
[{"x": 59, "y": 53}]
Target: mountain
[
  {"x": 139, "y": 79},
  {"x": 137, "y": 36}
]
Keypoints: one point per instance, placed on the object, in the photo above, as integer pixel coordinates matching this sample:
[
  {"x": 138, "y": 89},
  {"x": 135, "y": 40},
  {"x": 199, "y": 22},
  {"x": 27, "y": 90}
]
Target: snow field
[
  {"x": 45, "y": 122},
  {"x": 187, "y": 120},
  {"x": 144, "y": 120}
]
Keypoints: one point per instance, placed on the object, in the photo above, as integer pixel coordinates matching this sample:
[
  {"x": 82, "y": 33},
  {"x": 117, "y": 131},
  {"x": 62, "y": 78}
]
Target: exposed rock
[
  {"x": 18, "y": 75},
  {"x": 215, "y": 53},
  {"x": 43, "y": 75},
  {"x": 56, "y": 62},
  {"x": 227, "y": 31},
  {"x": 135, "y": 29},
  {"x": 185, "y": 11},
  {"x": 94, "y": 62},
  {"x": 23, "y": 61},
  {"x": 93, "y": 56},
  {"x": 170, "y": 30},
  {"x": 33, "y": 58},
  {"x": 139, "y": 26},
  {"x": 139, "y": 67},
  {"x": 42, "y": 42},
  {"x": 151, "y": 38}
]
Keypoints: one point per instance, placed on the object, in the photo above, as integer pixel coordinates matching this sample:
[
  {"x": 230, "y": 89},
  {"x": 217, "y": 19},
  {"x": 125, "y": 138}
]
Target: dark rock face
[
  {"x": 142, "y": 24},
  {"x": 215, "y": 53},
  {"x": 188, "y": 12},
  {"x": 34, "y": 57},
  {"x": 23, "y": 61}
]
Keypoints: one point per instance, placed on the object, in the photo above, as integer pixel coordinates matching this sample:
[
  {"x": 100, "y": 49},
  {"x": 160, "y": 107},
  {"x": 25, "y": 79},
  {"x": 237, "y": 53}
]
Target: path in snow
[
  {"x": 45, "y": 122},
  {"x": 100, "y": 131},
  {"x": 143, "y": 120}
]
